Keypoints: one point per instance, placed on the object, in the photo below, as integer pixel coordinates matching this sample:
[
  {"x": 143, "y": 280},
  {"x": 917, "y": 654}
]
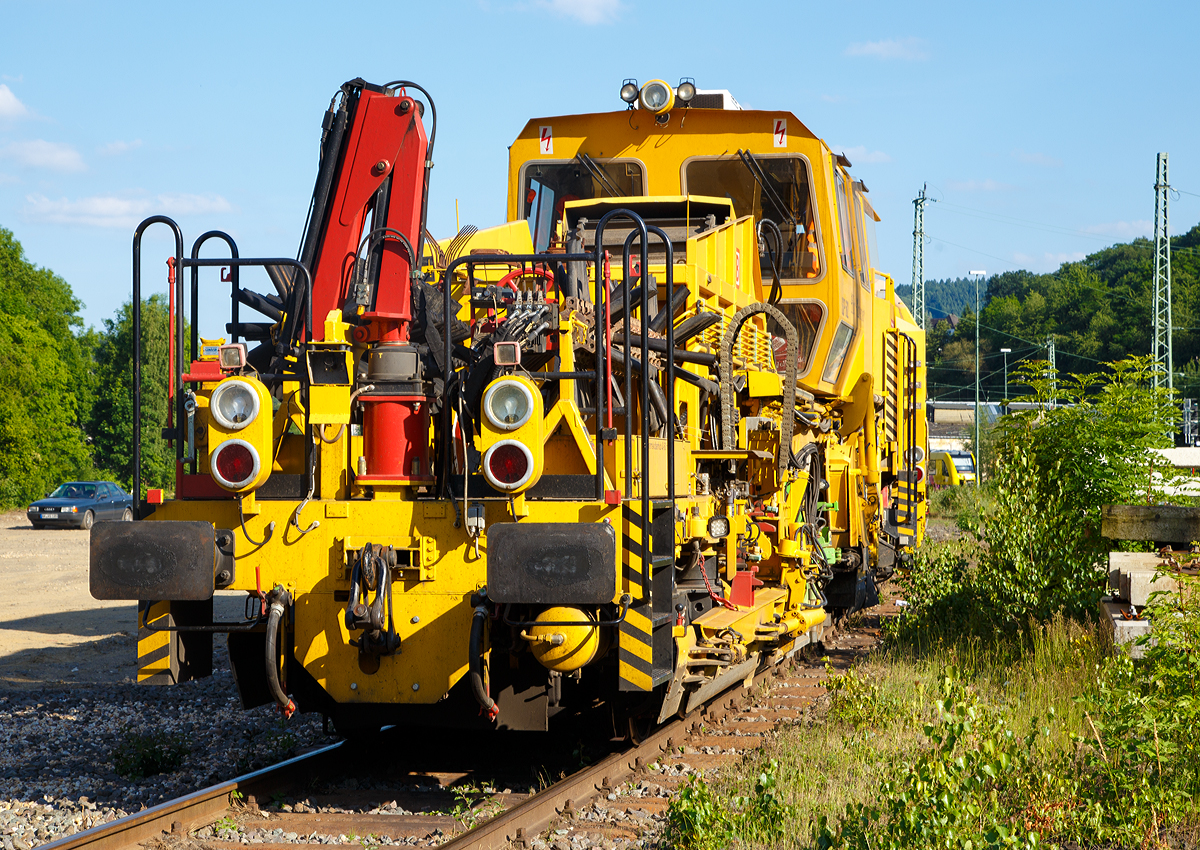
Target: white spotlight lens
[
  {"x": 629, "y": 92},
  {"x": 685, "y": 92},
  {"x": 508, "y": 404},
  {"x": 234, "y": 404},
  {"x": 718, "y": 527},
  {"x": 657, "y": 97}
]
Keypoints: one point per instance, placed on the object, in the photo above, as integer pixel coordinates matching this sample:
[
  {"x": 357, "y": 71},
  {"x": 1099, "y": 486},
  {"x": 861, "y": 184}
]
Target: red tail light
[
  {"x": 235, "y": 464},
  {"x": 920, "y": 474},
  {"x": 508, "y": 464}
]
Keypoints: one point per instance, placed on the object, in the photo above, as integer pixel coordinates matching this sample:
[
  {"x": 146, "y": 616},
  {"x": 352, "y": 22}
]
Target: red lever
[{"x": 171, "y": 270}]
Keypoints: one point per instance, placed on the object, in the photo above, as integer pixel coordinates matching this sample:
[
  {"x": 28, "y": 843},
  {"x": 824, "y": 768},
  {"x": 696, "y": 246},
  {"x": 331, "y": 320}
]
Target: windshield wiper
[
  {"x": 597, "y": 172},
  {"x": 760, "y": 178}
]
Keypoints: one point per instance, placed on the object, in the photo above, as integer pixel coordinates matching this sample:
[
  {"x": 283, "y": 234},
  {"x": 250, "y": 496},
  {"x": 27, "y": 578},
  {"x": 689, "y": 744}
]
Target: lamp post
[
  {"x": 979, "y": 273},
  {"x": 1006, "y": 352}
]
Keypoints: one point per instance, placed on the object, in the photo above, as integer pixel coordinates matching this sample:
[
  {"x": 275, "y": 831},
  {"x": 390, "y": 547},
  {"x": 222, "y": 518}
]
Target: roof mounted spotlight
[
  {"x": 657, "y": 97},
  {"x": 629, "y": 92},
  {"x": 685, "y": 91}
]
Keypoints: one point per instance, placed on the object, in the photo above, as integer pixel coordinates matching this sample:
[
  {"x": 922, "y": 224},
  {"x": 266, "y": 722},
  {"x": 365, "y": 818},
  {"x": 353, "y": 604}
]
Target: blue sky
[{"x": 1035, "y": 124}]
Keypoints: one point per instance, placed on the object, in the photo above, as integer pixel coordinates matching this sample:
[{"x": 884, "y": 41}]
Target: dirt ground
[{"x": 51, "y": 629}]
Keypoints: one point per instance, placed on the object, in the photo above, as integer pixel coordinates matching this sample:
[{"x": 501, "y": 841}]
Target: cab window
[
  {"x": 784, "y": 197},
  {"x": 847, "y": 235},
  {"x": 805, "y": 317},
  {"x": 860, "y": 220},
  {"x": 547, "y": 186}
]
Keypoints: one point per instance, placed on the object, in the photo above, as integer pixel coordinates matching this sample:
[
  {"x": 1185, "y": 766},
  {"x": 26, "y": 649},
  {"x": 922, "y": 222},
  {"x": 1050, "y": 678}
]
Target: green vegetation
[
  {"x": 998, "y": 714},
  {"x": 65, "y": 392},
  {"x": 1098, "y": 309},
  {"x": 142, "y": 754}
]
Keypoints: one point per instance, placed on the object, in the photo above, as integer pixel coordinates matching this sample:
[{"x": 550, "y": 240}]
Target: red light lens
[
  {"x": 920, "y": 474},
  {"x": 235, "y": 463},
  {"x": 508, "y": 464}
]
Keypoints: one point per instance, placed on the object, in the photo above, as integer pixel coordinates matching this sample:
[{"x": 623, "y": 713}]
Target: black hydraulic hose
[
  {"x": 475, "y": 660},
  {"x": 428, "y": 160},
  {"x": 279, "y": 600}
]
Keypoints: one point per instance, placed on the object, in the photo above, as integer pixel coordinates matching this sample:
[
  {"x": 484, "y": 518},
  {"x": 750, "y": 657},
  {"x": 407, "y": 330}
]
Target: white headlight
[
  {"x": 718, "y": 527},
  {"x": 508, "y": 404},
  {"x": 685, "y": 92},
  {"x": 657, "y": 96},
  {"x": 234, "y": 404},
  {"x": 629, "y": 91}
]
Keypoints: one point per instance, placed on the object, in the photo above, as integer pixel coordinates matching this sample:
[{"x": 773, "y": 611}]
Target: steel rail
[
  {"x": 195, "y": 809},
  {"x": 519, "y": 824}
]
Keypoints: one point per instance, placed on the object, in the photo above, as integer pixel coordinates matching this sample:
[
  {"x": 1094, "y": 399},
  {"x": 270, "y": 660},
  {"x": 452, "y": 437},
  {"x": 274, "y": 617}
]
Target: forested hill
[
  {"x": 1098, "y": 309},
  {"x": 65, "y": 400},
  {"x": 944, "y": 298}
]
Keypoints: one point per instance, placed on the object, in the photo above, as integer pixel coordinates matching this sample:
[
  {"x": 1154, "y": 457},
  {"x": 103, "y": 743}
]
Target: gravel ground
[
  {"x": 59, "y": 749},
  {"x": 68, "y": 701}
]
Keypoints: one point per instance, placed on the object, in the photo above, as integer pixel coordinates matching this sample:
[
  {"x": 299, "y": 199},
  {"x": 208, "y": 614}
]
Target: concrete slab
[
  {"x": 1113, "y": 618},
  {"x": 1177, "y": 524}
]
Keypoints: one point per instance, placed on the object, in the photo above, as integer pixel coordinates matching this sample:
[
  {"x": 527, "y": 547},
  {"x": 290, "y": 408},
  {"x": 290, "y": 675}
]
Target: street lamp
[
  {"x": 1006, "y": 352},
  {"x": 979, "y": 273}
]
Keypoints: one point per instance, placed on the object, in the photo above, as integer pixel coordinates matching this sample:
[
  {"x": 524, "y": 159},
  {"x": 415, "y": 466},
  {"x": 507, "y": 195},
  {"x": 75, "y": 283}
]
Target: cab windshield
[
  {"x": 773, "y": 187},
  {"x": 963, "y": 463},
  {"x": 547, "y": 186}
]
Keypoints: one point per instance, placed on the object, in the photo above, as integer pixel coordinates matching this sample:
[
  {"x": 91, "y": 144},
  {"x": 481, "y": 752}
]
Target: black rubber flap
[
  {"x": 552, "y": 563},
  {"x": 153, "y": 560}
]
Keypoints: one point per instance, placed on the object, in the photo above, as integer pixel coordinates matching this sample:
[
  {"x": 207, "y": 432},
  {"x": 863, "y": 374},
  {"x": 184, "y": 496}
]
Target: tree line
[
  {"x": 1097, "y": 310},
  {"x": 66, "y": 406}
]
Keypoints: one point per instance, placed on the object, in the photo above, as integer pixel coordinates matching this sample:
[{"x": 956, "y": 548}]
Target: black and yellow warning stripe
[{"x": 634, "y": 648}]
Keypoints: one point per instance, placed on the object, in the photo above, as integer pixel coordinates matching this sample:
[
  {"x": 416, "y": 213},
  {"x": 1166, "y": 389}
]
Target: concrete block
[
  {"x": 1137, "y": 585},
  {"x": 1119, "y": 562},
  {"x": 1122, "y": 630}
]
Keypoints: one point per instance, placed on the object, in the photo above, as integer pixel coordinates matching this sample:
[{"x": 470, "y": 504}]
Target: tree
[
  {"x": 46, "y": 379},
  {"x": 112, "y": 414}
]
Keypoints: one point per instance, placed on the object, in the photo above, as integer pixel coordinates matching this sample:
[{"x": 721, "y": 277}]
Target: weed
[
  {"x": 142, "y": 754},
  {"x": 698, "y": 818}
]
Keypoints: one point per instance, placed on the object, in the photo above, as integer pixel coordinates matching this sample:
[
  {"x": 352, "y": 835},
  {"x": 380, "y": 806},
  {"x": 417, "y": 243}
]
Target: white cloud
[
  {"x": 1036, "y": 159},
  {"x": 116, "y": 211},
  {"x": 859, "y": 153},
  {"x": 988, "y": 185},
  {"x": 585, "y": 11},
  {"x": 910, "y": 49},
  {"x": 8, "y": 178},
  {"x": 1122, "y": 229},
  {"x": 38, "y": 153},
  {"x": 119, "y": 147},
  {"x": 10, "y": 107}
]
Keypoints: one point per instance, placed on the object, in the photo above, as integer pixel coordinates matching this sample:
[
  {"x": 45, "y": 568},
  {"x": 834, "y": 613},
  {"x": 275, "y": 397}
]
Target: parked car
[
  {"x": 78, "y": 504},
  {"x": 951, "y": 469}
]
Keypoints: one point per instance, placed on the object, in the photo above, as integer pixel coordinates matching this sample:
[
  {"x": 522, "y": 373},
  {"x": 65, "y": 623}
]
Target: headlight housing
[
  {"x": 718, "y": 527},
  {"x": 657, "y": 97},
  {"x": 508, "y": 465},
  {"x": 629, "y": 92},
  {"x": 235, "y": 464},
  {"x": 234, "y": 404},
  {"x": 508, "y": 405}
]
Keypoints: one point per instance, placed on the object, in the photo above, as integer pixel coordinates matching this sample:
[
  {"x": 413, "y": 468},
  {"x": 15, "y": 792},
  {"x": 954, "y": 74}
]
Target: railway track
[{"x": 327, "y": 797}]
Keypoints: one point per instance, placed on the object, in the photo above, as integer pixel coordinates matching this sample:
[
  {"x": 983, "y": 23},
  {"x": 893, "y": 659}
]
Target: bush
[{"x": 1037, "y": 549}]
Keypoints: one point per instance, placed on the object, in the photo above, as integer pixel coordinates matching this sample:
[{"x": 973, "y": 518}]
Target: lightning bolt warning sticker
[{"x": 547, "y": 141}]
